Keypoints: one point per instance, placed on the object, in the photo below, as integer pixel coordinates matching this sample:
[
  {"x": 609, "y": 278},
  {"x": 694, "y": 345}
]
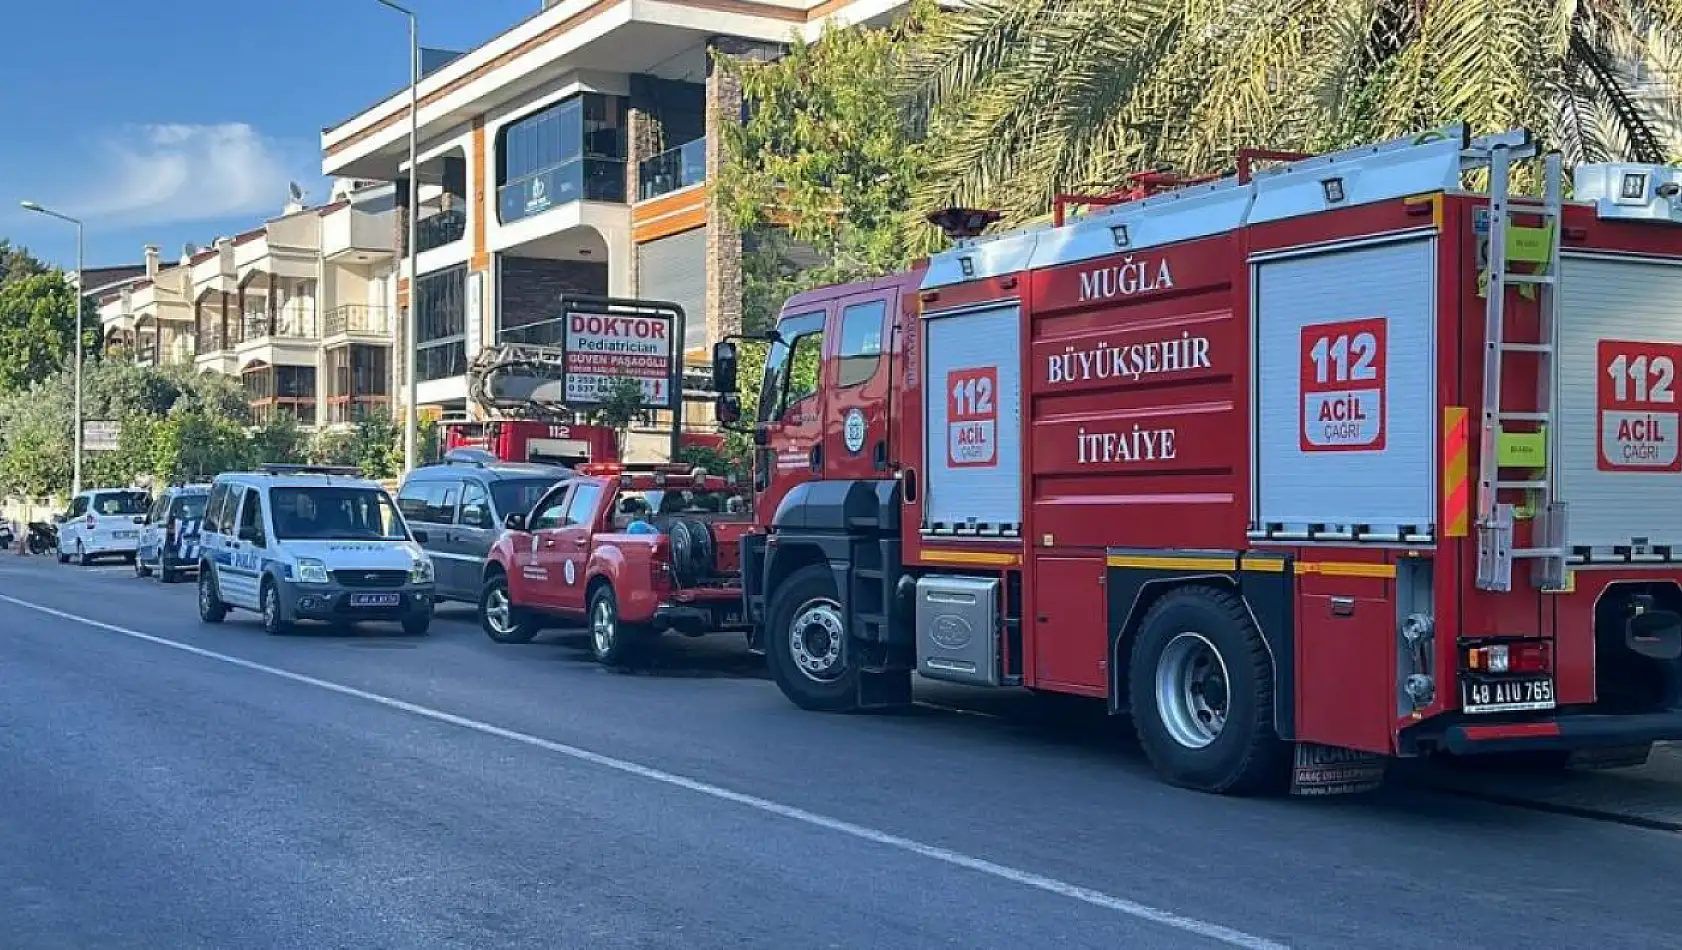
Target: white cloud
[{"x": 159, "y": 174}]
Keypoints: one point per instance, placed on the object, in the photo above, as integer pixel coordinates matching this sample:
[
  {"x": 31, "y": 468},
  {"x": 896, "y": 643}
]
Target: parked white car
[{"x": 104, "y": 522}]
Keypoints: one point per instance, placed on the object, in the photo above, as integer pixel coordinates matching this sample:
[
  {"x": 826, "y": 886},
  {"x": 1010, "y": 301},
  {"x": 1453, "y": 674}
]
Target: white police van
[
  {"x": 300, "y": 542},
  {"x": 169, "y": 537}
]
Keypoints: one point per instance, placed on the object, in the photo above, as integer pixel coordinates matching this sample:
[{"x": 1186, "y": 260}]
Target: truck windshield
[
  {"x": 517, "y": 495},
  {"x": 335, "y": 514},
  {"x": 796, "y": 355}
]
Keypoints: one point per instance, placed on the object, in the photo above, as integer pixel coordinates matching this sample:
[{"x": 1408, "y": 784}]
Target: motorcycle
[
  {"x": 43, "y": 537},
  {"x": 7, "y": 539}
]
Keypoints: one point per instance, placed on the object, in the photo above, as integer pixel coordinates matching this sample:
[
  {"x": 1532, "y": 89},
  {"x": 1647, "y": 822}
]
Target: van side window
[
  {"x": 862, "y": 328},
  {"x": 251, "y": 518},
  {"x": 78, "y": 506},
  {"x": 213, "y": 508}
]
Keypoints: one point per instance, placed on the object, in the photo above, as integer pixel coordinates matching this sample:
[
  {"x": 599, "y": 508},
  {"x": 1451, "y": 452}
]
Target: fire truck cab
[{"x": 1302, "y": 468}]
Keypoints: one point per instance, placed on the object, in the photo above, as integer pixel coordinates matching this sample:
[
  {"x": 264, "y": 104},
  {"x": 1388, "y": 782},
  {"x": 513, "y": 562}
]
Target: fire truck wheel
[
  {"x": 806, "y": 643},
  {"x": 1200, "y": 684},
  {"x": 501, "y": 620}
]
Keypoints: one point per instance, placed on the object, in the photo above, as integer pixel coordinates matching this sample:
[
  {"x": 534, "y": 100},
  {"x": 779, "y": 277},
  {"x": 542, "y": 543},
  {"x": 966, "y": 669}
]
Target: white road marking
[{"x": 1039, "y": 882}]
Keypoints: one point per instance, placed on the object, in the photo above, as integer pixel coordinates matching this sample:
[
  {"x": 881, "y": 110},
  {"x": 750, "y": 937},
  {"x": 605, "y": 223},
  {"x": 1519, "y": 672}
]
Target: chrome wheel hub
[
  {"x": 602, "y": 627},
  {"x": 815, "y": 638},
  {"x": 498, "y": 612},
  {"x": 1192, "y": 690}
]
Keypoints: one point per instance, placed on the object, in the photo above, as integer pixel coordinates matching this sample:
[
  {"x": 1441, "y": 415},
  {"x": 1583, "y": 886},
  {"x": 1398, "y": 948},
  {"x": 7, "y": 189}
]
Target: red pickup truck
[{"x": 631, "y": 551}]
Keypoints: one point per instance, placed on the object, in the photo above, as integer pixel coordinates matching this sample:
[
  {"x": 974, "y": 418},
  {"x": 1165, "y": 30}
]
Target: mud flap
[
  {"x": 1611, "y": 757},
  {"x": 1331, "y": 770}
]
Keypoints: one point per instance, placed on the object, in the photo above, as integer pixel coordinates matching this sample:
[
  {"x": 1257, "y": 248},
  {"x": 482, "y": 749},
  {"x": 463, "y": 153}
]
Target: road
[{"x": 172, "y": 785}]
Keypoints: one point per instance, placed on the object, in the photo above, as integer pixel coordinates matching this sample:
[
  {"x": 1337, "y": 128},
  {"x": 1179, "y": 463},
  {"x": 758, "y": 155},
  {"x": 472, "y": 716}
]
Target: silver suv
[{"x": 461, "y": 502}]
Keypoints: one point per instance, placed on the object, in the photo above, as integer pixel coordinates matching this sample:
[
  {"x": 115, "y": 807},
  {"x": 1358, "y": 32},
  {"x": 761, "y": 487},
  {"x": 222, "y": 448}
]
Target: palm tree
[{"x": 1022, "y": 99}]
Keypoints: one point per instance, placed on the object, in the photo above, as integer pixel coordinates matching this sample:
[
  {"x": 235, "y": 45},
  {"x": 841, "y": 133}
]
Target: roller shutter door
[{"x": 674, "y": 269}]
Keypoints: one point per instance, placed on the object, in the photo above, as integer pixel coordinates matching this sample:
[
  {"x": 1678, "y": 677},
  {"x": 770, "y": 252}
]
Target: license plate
[
  {"x": 125, "y": 535},
  {"x": 375, "y": 600},
  {"x": 1514, "y": 695}
]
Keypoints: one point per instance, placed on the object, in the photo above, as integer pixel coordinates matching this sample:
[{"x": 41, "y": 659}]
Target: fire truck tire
[
  {"x": 806, "y": 643},
  {"x": 1200, "y": 686},
  {"x": 501, "y": 620}
]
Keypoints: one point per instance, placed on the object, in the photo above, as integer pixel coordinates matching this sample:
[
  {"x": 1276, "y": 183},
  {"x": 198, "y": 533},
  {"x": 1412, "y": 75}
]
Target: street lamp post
[
  {"x": 411, "y": 347},
  {"x": 76, "y": 412}
]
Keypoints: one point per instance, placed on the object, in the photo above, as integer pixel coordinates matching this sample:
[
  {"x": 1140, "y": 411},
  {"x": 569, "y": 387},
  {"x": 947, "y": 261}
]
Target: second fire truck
[{"x": 1303, "y": 468}]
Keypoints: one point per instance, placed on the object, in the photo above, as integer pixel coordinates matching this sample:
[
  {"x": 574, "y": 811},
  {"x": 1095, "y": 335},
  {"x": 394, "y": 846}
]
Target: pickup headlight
[
  {"x": 312, "y": 571},
  {"x": 421, "y": 573}
]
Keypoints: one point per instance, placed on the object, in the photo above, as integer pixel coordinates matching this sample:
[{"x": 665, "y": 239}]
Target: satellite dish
[
  {"x": 189, "y": 249},
  {"x": 296, "y": 191}
]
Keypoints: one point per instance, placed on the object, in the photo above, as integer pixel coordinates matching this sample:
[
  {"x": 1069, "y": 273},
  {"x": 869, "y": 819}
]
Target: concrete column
[{"x": 724, "y": 240}]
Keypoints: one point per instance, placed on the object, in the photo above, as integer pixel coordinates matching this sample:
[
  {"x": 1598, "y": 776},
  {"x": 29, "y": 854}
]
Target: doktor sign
[{"x": 601, "y": 346}]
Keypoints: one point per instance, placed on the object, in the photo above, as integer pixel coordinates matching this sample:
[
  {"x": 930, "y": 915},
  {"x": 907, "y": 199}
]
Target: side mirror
[
  {"x": 420, "y": 536},
  {"x": 724, "y": 367},
  {"x": 728, "y": 407},
  {"x": 58, "y": 519},
  {"x": 515, "y": 521}
]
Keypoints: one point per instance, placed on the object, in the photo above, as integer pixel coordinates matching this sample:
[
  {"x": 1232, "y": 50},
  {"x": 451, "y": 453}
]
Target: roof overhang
[{"x": 610, "y": 36}]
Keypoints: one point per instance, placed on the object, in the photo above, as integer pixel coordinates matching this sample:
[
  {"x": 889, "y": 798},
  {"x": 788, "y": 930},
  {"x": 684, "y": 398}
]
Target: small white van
[{"x": 104, "y": 522}]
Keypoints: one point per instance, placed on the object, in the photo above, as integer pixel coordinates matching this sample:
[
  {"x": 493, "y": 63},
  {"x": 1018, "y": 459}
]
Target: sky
[{"x": 177, "y": 121}]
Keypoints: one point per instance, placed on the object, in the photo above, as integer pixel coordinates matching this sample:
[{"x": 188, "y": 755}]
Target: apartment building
[
  {"x": 298, "y": 308},
  {"x": 570, "y": 155}
]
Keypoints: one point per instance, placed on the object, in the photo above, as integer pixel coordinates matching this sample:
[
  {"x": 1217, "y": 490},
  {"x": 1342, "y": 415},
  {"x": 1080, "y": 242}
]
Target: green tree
[
  {"x": 622, "y": 405},
  {"x": 277, "y": 440},
  {"x": 1023, "y": 99},
  {"x": 17, "y": 263},
  {"x": 821, "y": 171},
  {"x": 37, "y": 326}
]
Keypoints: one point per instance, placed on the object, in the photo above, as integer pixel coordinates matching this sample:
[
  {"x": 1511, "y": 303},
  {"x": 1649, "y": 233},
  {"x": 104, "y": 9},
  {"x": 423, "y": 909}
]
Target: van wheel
[
  {"x": 806, "y": 643},
  {"x": 168, "y": 575},
  {"x": 81, "y": 555},
  {"x": 140, "y": 568},
  {"x": 612, "y": 641},
  {"x": 274, "y": 618},
  {"x": 501, "y": 620},
  {"x": 1201, "y": 691},
  {"x": 62, "y": 557},
  {"x": 211, "y": 608}
]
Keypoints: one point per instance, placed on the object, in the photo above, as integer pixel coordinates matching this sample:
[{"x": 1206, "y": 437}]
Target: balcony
[
  {"x": 672, "y": 170},
  {"x": 213, "y": 340},
  {"x": 288, "y": 325},
  {"x": 441, "y": 229},
  {"x": 539, "y": 333},
  {"x": 357, "y": 319},
  {"x": 582, "y": 179},
  {"x": 349, "y": 233}
]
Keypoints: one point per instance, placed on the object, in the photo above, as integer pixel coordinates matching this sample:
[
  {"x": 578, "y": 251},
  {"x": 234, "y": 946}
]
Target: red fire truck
[
  {"x": 532, "y": 440},
  {"x": 1302, "y": 469}
]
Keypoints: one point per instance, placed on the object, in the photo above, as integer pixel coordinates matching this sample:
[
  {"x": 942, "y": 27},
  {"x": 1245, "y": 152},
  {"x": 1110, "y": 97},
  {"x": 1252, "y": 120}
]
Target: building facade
[
  {"x": 299, "y": 308},
  {"x": 570, "y": 155}
]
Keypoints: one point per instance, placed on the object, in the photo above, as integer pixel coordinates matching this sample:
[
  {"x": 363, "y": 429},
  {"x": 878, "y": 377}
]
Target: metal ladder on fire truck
[{"x": 1495, "y": 519}]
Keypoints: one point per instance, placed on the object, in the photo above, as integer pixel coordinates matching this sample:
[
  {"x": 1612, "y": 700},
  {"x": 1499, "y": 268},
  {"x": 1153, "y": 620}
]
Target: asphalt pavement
[{"x": 173, "y": 785}]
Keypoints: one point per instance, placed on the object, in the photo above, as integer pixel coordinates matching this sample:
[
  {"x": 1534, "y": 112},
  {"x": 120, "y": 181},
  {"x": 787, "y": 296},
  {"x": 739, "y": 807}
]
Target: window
[
  {"x": 78, "y": 507},
  {"x": 515, "y": 497},
  {"x": 803, "y": 341},
  {"x": 862, "y": 326},
  {"x": 564, "y": 152},
  {"x": 159, "y": 511},
  {"x": 335, "y": 514},
  {"x": 213, "y": 508},
  {"x": 550, "y": 512},
  {"x": 582, "y": 507},
  {"x": 188, "y": 507},
  {"x": 475, "y": 506},
  {"x": 430, "y": 502},
  {"x": 122, "y": 503},
  {"x": 251, "y": 518},
  {"x": 441, "y": 338}
]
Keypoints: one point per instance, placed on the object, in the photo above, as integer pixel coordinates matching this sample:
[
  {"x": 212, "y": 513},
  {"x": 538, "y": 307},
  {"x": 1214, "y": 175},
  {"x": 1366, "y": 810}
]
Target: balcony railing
[
  {"x": 345, "y": 409},
  {"x": 586, "y": 179},
  {"x": 359, "y": 318},
  {"x": 672, "y": 169},
  {"x": 540, "y": 333},
  {"x": 437, "y": 230},
  {"x": 287, "y": 325},
  {"x": 213, "y": 340}
]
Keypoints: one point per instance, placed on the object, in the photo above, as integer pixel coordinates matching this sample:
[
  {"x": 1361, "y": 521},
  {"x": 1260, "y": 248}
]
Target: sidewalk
[{"x": 1650, "y": 795}]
